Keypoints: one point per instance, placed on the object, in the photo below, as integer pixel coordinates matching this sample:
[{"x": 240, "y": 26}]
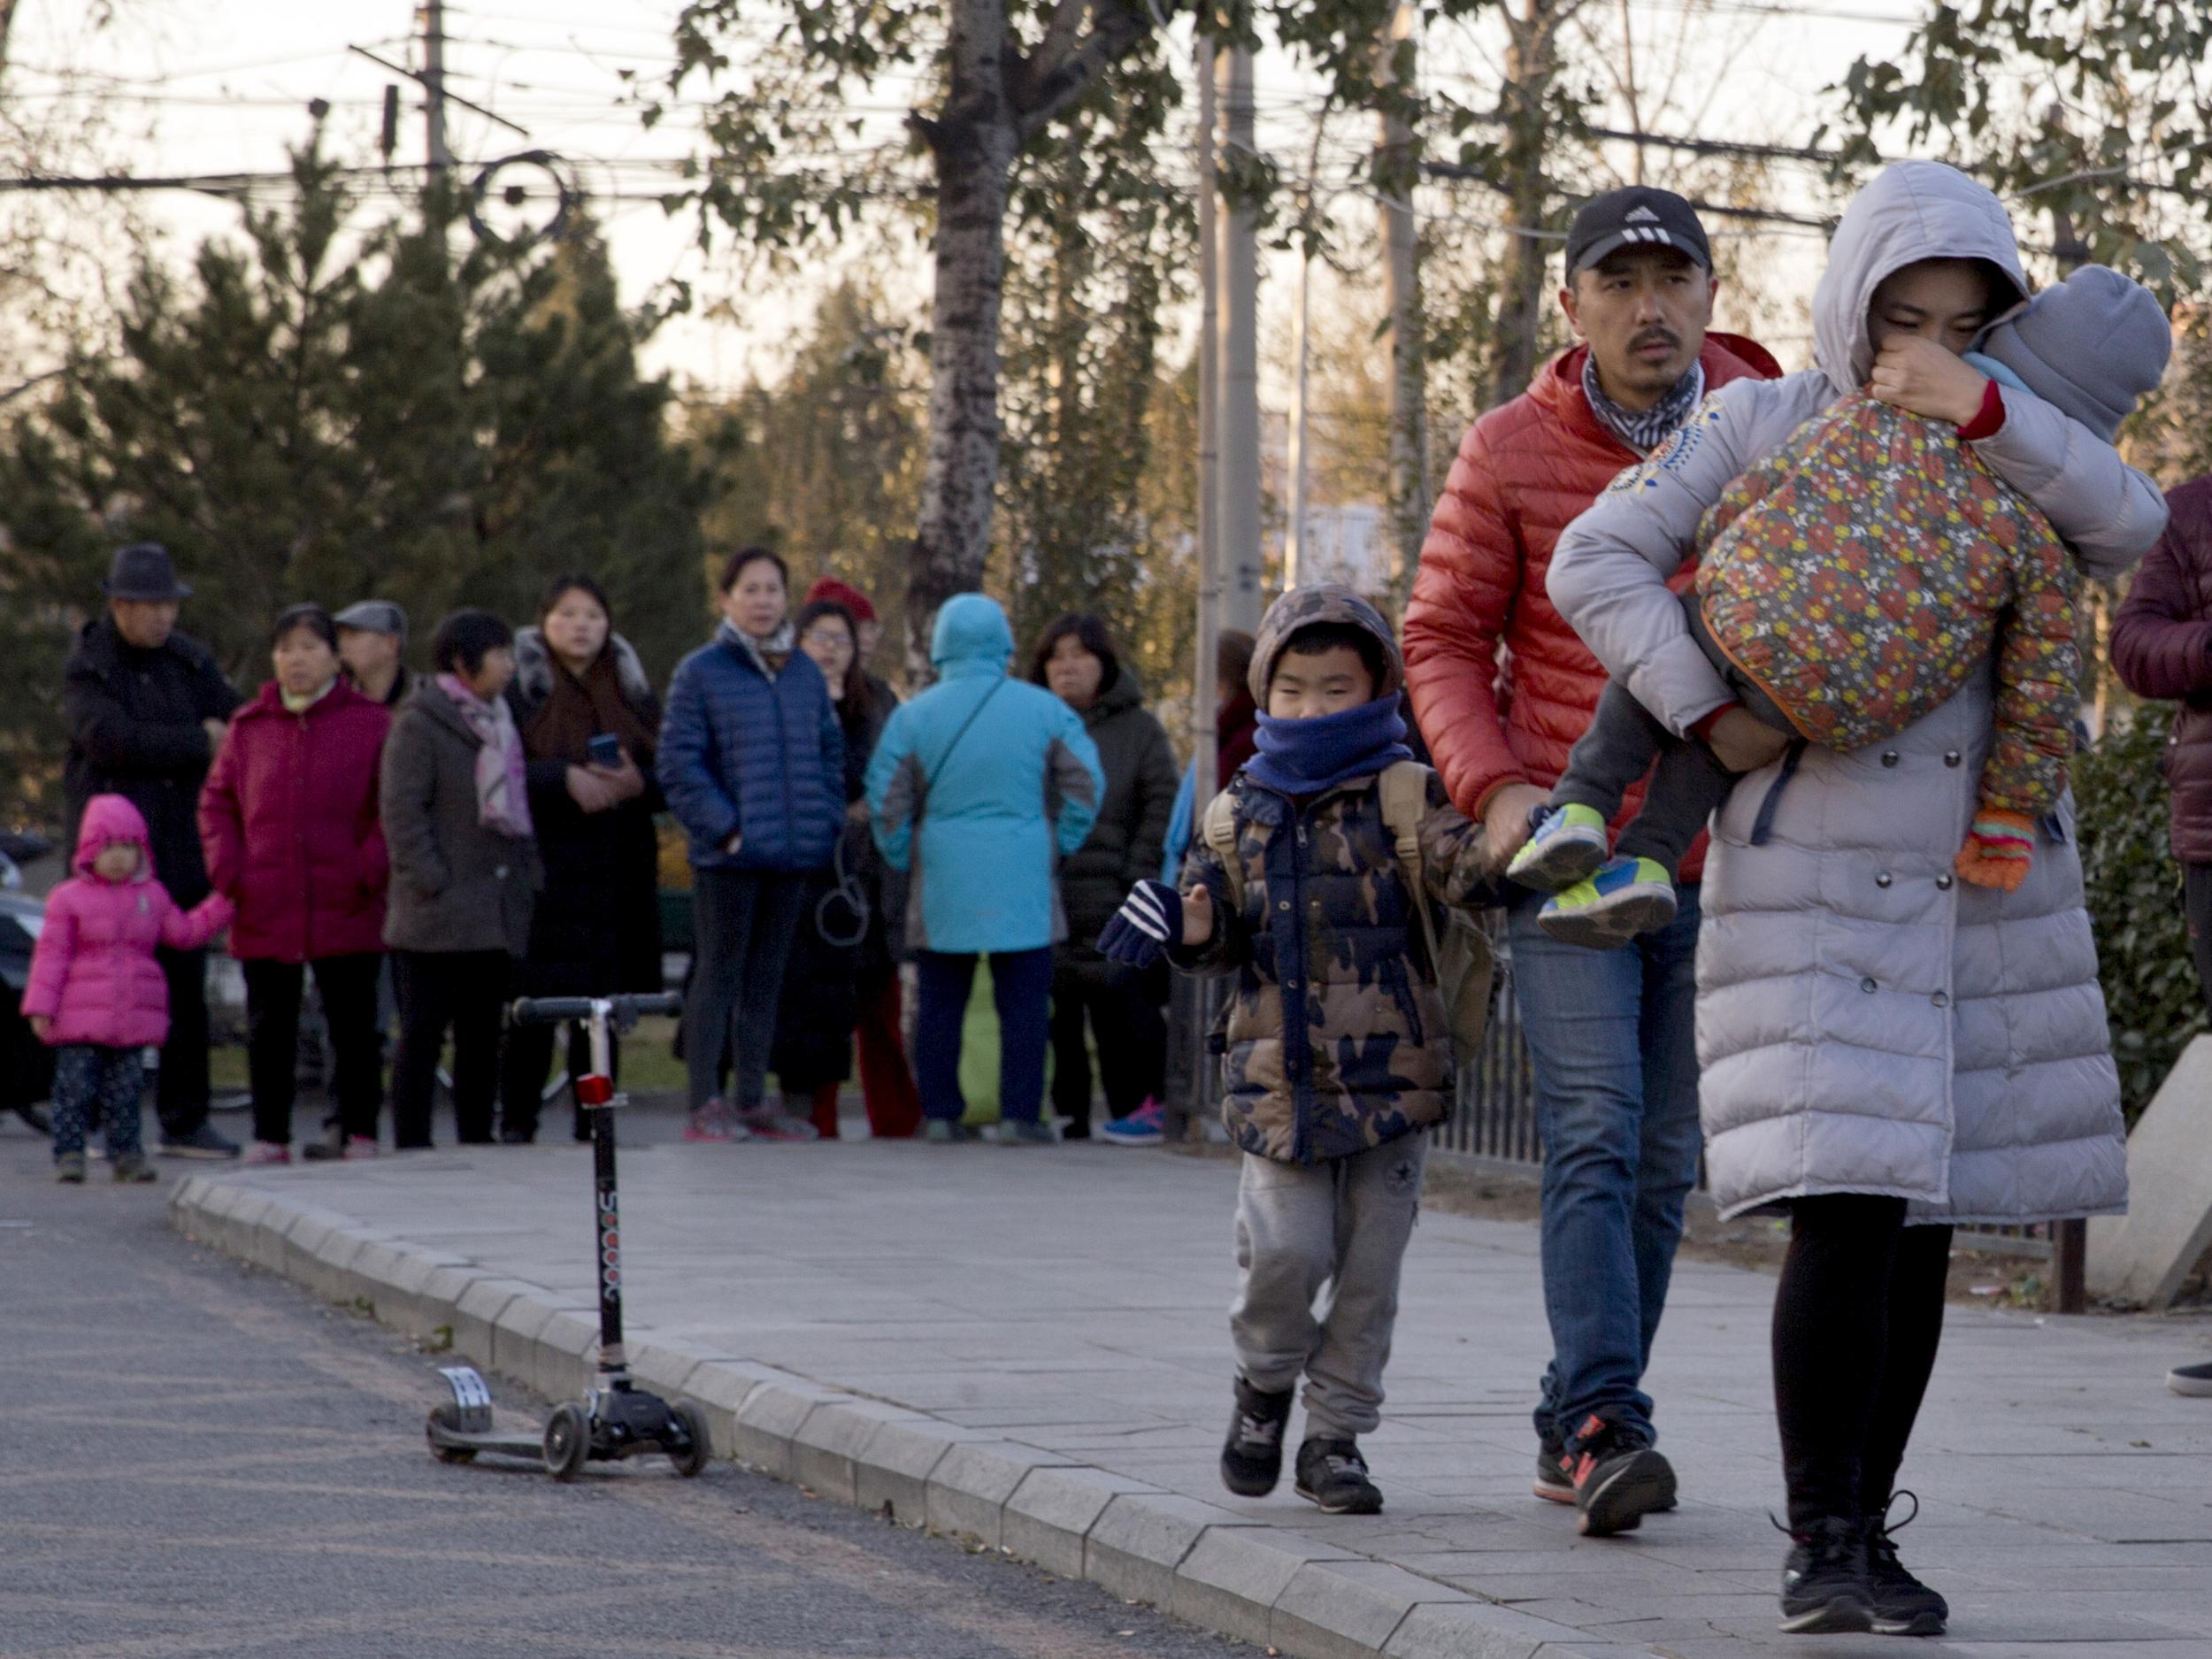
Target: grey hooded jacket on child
[{"x": 1865, "y": 1022}]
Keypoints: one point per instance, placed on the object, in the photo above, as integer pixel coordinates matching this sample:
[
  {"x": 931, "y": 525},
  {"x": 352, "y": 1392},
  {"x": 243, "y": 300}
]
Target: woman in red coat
[{"x": 288, "y": 818}]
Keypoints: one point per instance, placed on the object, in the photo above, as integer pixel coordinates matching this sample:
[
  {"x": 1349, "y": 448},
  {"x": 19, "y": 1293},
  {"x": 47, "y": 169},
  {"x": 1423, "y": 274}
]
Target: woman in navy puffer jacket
[{"x": 752, "y": 762}]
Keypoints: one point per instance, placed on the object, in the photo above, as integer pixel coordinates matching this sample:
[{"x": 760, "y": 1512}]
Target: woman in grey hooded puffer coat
[{"x": 1885, "y": 1049}]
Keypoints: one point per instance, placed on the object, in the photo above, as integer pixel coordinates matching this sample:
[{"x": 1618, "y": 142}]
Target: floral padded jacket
[{"x": 1864, "y": 572}]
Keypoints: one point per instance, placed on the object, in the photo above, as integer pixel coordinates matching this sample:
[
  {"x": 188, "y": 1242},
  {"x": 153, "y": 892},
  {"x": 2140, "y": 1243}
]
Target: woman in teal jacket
[{"x": 980, "y": 786}]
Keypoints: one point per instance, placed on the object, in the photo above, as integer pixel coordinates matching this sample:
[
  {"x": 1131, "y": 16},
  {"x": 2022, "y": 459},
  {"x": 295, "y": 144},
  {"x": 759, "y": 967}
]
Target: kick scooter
[{"x": 616, "y": 1420}]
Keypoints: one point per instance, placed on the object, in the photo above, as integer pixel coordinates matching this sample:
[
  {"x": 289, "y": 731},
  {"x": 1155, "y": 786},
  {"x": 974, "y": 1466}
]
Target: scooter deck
[{"x": 507, "y": 1444}]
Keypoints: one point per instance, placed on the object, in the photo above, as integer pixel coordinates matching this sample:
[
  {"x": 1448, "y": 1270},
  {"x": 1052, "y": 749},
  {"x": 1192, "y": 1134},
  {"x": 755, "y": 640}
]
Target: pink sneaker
[
  {"x": 713, "y": 1122},
  {"x": 267, "y": 1152},
  {"x": 361, "y": 1147}
]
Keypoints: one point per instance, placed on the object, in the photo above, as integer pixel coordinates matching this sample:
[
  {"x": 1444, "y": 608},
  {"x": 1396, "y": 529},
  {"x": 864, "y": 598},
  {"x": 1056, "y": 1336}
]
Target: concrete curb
[{"x": 1264, "y": 1585}]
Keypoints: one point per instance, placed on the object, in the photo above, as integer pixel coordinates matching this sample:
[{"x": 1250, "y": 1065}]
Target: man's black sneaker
[
  {"x": 1824, "y": 1590},
  {"x": 1902, "y": 1605},
  {"x": 1252, "y": 1458},
  {"x": 201, "y": 1142},
  {"x": 1554, "y": 1481},
  {"x": 1555, "y": 1473},
  {"x": 1334, "y": 1475},
  {"x": 1618, "y": 1478}
]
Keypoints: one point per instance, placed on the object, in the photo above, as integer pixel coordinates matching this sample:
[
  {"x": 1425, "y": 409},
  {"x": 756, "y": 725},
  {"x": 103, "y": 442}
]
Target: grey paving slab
[{"x": 1034, "y": 1352}]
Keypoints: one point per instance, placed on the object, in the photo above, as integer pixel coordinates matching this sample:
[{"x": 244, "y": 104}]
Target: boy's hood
[
  {"x": 1910, "y": 211},
  {"x": 110, "y": 818},
  {"x": 971, "y": 628},
  {"x": 1320, "y": 601}
]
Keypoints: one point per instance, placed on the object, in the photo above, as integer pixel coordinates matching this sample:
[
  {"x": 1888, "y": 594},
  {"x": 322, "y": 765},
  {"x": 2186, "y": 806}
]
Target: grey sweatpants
[{"x": 1343, "y": 1225}]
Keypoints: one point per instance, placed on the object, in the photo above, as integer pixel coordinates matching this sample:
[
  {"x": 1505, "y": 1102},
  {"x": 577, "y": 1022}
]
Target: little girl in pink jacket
[{"x": 96, "y": 995}]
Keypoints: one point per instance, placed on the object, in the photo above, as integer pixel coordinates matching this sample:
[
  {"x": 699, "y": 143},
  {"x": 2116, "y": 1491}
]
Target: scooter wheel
[
  {"x": 567, "y": 1442},
  {"x": 694, "y": 1457},
  {"x": 445, "y": 1417}
]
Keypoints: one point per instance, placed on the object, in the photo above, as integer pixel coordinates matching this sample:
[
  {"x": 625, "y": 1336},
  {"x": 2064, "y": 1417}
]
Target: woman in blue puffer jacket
[
  {"x": 981, "y": 785},
  {"x": 752, "y": 762}
]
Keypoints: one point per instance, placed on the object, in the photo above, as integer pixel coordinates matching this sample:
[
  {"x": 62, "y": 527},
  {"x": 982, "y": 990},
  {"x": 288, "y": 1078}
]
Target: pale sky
[{"x": 222, "y": 86}]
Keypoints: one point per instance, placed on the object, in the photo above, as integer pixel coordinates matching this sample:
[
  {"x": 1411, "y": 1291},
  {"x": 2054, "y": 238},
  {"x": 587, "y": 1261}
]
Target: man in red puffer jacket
[{"x": 1503, "y": 688}]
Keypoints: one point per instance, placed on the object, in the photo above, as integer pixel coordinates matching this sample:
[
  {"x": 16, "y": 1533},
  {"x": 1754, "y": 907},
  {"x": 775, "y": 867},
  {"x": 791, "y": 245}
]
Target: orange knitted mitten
[{"x": 1997, "y": 850}]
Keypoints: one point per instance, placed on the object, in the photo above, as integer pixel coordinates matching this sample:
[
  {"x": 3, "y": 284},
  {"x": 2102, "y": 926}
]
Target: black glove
[{"x": 1148, "y": 925}]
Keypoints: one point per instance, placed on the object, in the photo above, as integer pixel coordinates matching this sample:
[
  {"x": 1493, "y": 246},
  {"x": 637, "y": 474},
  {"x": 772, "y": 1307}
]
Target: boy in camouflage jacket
[
  {"x": 1336, "y": 1051},
  {"x": 1848, "y": 584}
]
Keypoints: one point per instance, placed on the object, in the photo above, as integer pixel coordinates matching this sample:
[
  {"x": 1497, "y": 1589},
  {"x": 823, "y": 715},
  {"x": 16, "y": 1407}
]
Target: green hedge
[{"x": 2151, "y": 988}]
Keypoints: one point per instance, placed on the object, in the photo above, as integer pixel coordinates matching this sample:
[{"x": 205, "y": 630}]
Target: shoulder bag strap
[{"x": 929, "y": 782}]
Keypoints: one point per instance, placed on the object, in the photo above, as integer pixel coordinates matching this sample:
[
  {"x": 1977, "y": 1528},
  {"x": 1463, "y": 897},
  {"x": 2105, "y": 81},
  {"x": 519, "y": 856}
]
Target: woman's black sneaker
[
  {"x": 1824, "y": 1589},
  {"x": 1902, "y": 1605},
  {"x": 1334, "y": 1475},
  {"x": 1252, "y": 1459}
]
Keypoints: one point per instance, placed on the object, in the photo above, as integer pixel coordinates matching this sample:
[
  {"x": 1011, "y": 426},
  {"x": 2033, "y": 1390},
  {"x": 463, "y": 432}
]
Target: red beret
[{"x": 844, "y": 594}]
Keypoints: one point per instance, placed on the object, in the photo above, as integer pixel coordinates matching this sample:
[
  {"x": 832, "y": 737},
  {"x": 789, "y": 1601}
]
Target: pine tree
[{"x": 313, "y": 414}]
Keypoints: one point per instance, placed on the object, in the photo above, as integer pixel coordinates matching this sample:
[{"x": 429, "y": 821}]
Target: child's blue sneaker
[
  {"x": 1627, "y": 896},
  {"x": 1144, "y": 1127},
  {"x": 1567, "y": 847}
]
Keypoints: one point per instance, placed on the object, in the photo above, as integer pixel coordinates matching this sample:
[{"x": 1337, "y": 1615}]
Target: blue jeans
[
  {"x": 1021, "y": 988},
  {"x": 1612, "y": 1037}
]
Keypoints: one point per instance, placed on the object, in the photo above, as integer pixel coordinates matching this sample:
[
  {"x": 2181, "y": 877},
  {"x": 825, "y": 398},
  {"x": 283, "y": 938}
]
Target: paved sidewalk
[{"x": 1030, "y": 1345}]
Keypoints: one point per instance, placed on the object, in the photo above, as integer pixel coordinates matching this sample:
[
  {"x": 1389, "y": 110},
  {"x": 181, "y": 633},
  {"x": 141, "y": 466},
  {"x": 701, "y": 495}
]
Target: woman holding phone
[{"x": 588, "y": 720}]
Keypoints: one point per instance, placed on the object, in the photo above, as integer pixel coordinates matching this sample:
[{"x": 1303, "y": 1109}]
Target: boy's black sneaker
[
  {"x": 1902, "y": 1605},
  {"x": 1618, "y": 1478},
  {"x": 1334, "y": 1475},
  {"x": 1825, "y": 1588},
  {"x": 1252, "y": 1458}
]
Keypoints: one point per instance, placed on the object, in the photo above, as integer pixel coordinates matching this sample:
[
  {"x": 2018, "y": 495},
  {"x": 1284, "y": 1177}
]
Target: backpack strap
[
  {"x": 1404, "y": 789},
  {"x": 1217, "y": 830}
]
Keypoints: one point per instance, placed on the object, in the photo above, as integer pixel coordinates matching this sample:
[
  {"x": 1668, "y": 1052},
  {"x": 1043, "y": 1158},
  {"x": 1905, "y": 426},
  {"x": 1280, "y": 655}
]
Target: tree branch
[
  {"x": 1058, "y": 45},
  {"x": 1115, "y": 32}
]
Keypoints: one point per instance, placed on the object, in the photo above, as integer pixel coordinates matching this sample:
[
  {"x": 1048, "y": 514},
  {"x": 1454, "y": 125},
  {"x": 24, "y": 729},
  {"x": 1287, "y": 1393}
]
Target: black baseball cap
[{"x": 1635, "y": 217}]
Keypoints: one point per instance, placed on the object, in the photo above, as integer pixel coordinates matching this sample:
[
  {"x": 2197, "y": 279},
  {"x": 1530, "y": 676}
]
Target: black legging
[{"x": 1857, "y": 1317}]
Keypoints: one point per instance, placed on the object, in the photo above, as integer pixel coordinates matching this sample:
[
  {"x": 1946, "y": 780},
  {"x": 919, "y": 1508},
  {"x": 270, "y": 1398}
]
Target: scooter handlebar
[{"x": 625, "y": 1011}]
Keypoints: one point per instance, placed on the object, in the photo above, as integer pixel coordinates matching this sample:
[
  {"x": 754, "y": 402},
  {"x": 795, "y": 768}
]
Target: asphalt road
[{"x": 199, "y": 1459}]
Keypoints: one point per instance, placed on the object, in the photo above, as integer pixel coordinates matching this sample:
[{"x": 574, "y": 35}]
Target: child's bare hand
[
  {"x": 39, "y": 1024},
  {"x": 1198, "y": 917},
  {"x": 1919, "y": 376}
]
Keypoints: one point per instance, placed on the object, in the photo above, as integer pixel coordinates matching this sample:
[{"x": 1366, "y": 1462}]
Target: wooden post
[{"x": 2070, "y": 1251}]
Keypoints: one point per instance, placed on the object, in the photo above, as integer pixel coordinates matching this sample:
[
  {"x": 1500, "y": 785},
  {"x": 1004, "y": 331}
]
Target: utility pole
[
  {"x": 1203, "y": 691},
  {"x": 1239, "y": 465},
  {"x": 434, "y": 85},
  {"x": 1295, "y": 534},
  {"x": 1398, "y": 166},
  {"x": 1301, "y": 355}
]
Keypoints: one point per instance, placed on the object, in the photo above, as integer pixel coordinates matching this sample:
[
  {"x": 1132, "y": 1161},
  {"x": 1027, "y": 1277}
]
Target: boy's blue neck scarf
[{"x": 1307, "y": 757}]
